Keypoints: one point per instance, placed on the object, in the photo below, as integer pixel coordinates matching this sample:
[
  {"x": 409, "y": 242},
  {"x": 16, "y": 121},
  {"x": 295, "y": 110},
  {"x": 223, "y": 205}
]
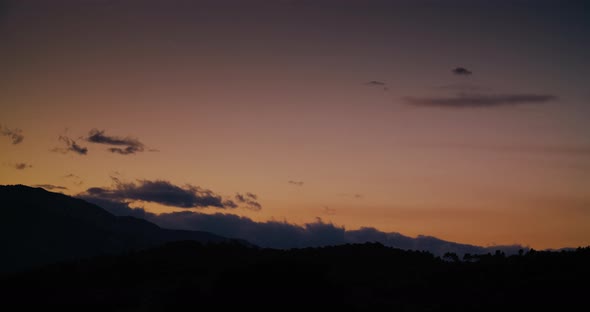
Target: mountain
[{"x": 40, "y": 227}]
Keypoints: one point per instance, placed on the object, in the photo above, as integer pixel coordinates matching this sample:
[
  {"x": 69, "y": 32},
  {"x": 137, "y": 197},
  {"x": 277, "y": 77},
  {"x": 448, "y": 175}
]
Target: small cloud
[
  {"x": 376, "y": 83},
  {"x": 463, "y": 87},
  {"x": 129, "y": 145},
  {"x": 71, "y": 146},
  {"x": 50, "y": 187},
  {"x": 481, "y": 100},
  {"x": 297, "y": 183},
  {"x": 15, "y": 135},
  {"x": 74, "y": 178},
  {"x": 22, "y": 166},
  {"x": 329, "y": 211},
  {"x": 349, "y": 195},
  {"x": 249, "y": 199},
  {"x": 462, "y": 71}
]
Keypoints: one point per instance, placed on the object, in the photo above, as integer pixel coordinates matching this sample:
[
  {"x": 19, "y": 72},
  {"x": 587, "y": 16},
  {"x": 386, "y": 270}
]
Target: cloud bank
[{"x": 284, "y": 235}]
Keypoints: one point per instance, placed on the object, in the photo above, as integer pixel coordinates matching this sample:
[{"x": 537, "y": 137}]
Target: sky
[{"x": 463, "y": 120}]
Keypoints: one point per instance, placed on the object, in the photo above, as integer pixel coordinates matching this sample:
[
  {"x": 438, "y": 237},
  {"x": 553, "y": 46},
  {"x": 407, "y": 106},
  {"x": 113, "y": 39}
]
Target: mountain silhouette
[{"x": 40, "y": 227}]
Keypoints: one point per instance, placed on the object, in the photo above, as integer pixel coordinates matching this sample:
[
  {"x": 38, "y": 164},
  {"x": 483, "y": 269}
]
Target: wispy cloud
[
  {"x": 328, "y": 211},
  {"x": 377, "y": 83},
  {"x": 462, "y": 71},
  {"x": 22, "y": 166},
  {"x": 15, "y": 135},
  {"x": 128, "y": 145},
  {"x": 74, "y": 178},
  {"x": 481, "y": 100},
  {"x": 51, "y": 187},
  {"x": 71, "y": 146},
  {"x": 296, "y": 183},
  {"x": 464, "y": 87},
  {"x": 163, "y": 192},
  {"x": 248, "y": 199},
  {"x": 353, "y": 195}
]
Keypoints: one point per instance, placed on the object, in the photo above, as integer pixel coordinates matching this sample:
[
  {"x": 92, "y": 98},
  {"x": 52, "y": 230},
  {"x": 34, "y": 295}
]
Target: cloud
[
  {"x": 463, "y": 87},
  {"x": 284, "y": 235},
  {"x": 162, "y": 192},
  {"x": 71, "y": 146},
  {"x": 376, "y": 83},
  {"x": 297, "y": 183},
  {"x": 249, "y": 199},
  {"x": 22, "y": 166},
  {"x": 355, "y": 195},
  {"x": 481, "y": 100},
  {"x": 74, "y": 178},
  {"x": 16, "y": 135},
  {"x": 129, "y": 145},
  {"x": 329, "y": 211},
  {"x": 461, "y": 71},
  {"x": 50, "y": 187}
]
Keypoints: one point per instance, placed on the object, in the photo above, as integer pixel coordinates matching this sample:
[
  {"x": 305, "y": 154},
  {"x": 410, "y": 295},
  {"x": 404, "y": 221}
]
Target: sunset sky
[{"x": 464, "y": 120}]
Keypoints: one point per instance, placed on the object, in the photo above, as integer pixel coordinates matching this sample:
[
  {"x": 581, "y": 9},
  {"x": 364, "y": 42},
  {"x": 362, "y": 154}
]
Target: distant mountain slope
[{"x": 39, "y": 227}]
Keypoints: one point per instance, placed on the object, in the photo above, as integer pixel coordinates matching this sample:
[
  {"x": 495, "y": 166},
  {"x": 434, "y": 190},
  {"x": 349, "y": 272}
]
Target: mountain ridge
[{"x": 39, "y": 227}]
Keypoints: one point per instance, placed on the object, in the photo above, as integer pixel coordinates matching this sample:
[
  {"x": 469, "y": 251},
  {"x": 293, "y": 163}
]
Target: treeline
[{"x": 361, "y": 277}]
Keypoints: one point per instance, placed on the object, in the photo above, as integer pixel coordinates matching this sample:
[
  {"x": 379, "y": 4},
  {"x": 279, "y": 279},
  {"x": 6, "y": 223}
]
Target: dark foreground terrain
[{"x": 372, "y": 277}]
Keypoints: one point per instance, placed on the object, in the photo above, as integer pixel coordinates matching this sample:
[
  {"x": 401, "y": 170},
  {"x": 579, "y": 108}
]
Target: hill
[{"x": 40, "y": 227}]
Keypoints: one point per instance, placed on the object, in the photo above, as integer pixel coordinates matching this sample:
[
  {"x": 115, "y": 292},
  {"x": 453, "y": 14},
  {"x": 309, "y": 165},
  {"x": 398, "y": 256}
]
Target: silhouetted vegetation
[{"x": 353, "y": 277}]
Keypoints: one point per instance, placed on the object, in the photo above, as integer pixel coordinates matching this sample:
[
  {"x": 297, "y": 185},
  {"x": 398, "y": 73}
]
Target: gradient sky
[{"x": 465, "y": 120}]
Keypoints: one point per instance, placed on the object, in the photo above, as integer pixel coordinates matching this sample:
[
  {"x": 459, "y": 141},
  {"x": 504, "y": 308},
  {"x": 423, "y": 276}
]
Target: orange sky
[{"x": 242, "y": 98}]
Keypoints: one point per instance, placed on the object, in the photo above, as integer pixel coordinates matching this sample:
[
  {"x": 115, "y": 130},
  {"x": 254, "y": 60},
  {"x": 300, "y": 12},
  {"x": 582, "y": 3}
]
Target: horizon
[{"x": 465, "y": 121}]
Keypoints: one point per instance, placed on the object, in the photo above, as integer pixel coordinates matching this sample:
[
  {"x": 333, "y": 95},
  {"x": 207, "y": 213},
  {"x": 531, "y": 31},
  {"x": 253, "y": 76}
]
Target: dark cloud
[
  {"x": 22, "y": 166},
  {"x": 162, "y": 192},
  {"x": 248, "y": 199},
  {"x": 71, "y": 146},
  {"x": 481, "y": 100},
  {"x": 461, "y": 71},
  {"x": 129, "y": 145},
  {"x": 284, "y": 235},
  {"x": 298, "y": 183},
  {"x": 50, "y": 187},
  {"x": 15, "y": 135}
]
